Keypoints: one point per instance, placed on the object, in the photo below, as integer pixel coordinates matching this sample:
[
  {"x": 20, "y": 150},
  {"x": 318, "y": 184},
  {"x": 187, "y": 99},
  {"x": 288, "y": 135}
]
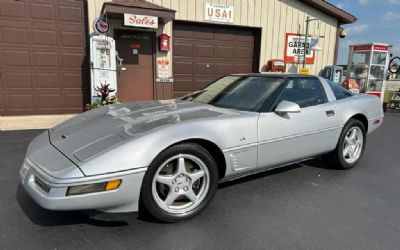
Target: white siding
[{"x": 274, "y": 17}]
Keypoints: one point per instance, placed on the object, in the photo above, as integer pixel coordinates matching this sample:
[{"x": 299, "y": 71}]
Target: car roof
[{"x": 277, "y": 75}]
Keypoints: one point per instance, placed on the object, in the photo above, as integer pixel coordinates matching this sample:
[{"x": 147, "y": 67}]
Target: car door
[{"x": 285, "y": 138}]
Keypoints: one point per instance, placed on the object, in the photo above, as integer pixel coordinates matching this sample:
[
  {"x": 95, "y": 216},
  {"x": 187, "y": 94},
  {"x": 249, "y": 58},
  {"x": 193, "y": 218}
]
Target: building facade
[{"x": 45, "y": 63}]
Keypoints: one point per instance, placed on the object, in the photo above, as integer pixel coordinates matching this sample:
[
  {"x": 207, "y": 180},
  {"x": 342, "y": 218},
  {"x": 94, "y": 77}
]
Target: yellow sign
[{"x": 304, "y": 71}]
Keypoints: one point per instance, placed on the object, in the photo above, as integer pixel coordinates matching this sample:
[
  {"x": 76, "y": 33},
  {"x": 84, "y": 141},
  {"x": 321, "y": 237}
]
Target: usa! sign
[
  {"x": 218, "y": 13},
  {"x": 141, "y": 21}
]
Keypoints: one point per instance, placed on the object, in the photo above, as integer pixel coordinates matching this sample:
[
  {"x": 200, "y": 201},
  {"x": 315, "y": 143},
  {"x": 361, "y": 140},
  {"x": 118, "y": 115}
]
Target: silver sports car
[{"x": 169, "y": 156}]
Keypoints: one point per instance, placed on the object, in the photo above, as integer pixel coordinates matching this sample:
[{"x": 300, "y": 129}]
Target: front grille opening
[{"x": 42, "y": 185}]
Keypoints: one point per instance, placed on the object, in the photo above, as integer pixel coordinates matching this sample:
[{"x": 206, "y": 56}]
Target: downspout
[{"x": 335, "y": 56}]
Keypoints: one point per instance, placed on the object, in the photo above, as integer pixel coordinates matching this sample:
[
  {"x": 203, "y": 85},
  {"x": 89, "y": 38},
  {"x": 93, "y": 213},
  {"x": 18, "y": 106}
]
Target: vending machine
[
  {"x": 368, "y": 68},
  {"x": 102, "y": 63}
]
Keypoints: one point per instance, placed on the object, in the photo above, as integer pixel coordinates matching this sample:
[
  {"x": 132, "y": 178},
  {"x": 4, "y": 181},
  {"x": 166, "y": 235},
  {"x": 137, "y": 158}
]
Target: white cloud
[
  {"x": 363, "y": 2},
  {"x": 340, "y": 5},
  {"x": 366, "y": 2},
  {"x": 347, "y": 42},
  {"x": 391, "y": 16},
  {"x": 361, "y": 28}
]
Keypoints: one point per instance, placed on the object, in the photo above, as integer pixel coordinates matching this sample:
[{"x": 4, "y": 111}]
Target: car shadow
[
  {"x": 314, "y": 163},
  {"x": 44, "y": 217}
]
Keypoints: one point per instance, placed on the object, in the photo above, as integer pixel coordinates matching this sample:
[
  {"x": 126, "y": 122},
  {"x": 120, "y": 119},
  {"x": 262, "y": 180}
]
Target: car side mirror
[{"x": 285, "y": 107}]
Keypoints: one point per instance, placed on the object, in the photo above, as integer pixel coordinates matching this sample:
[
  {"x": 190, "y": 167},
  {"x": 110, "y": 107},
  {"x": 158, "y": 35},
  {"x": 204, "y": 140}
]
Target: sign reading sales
[
  {"x": 141, "y": 21},
  {"x": 295, "y": 46},
  {"x": 218, "y": 13}
]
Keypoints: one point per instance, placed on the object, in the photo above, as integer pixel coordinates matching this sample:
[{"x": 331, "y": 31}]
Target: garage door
[
  {"x": 202, "y": 53},
  {"x": 42, "y": 56}
]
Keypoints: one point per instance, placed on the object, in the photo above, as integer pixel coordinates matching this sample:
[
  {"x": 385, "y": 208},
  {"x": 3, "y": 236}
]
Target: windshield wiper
[{"x": 192, "y": 95}]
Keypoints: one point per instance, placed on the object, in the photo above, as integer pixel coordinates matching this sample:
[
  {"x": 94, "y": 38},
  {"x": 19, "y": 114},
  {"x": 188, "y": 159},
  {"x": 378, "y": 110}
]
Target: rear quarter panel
[{"x": 367, "y": 105}]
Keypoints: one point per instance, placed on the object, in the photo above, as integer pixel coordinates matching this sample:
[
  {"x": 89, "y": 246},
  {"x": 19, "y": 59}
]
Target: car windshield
[{"x": 246, "y": 93}]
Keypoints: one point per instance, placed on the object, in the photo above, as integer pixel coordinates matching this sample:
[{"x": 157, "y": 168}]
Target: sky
[{"x": 378, "y": 21}]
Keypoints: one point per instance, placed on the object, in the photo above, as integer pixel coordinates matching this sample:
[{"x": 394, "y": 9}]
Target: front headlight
[{"x": 93, "y": 188}]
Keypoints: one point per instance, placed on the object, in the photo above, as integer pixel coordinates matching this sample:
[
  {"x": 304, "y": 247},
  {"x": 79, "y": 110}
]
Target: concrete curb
[{"x": 32, "y": 121}]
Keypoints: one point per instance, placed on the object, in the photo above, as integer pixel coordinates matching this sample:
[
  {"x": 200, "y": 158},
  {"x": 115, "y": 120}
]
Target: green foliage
[
  {"x": 99, "y": 103},
  {"x": 103, "y": 91}
]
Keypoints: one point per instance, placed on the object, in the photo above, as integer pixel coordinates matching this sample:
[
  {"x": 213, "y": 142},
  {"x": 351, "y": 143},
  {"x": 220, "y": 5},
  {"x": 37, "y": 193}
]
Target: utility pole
[{"x": 308, "y": 20}]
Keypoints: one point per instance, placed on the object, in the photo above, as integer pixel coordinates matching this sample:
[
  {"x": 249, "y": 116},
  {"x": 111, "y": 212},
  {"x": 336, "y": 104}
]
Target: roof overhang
[
  {"x": 342, "y": 16},
  {"x": 116, "y": 9}
]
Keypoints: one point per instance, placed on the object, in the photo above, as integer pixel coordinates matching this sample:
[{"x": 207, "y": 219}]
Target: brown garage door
[
  {"x": 202, "y": 53},
  {"x": 42, "y": 56}
]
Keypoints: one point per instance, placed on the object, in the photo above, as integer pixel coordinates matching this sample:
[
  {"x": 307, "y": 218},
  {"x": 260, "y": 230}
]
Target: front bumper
[{"x": 123, "y": 199}]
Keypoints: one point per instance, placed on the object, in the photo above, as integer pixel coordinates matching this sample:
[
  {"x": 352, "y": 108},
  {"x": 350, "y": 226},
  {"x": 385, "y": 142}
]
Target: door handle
[{"x": 330, "y": 113}]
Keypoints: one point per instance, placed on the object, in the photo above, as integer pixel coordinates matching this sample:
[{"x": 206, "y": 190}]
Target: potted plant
[{"x": 102, "y": 91}]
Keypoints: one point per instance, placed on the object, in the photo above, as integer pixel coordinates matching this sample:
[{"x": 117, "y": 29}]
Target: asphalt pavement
[{"x": 302, "y": 206}]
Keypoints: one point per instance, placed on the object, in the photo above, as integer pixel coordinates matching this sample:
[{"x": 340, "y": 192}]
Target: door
[
  {"x": 43, "y": 59},
  {"x": 203, "y": 53},
  {"x": 136, "y": 77},
  {"x": 295, "y": 136}
]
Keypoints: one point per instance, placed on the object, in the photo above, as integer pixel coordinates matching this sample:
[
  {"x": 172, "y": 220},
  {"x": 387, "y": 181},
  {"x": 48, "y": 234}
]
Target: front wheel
[
  {"x": 179, "y": 183},
  {"x": 350, "y": 146}
]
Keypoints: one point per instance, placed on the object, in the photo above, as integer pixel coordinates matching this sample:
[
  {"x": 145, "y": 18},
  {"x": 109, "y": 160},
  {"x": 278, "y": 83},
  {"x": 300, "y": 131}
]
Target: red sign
[
  {"x": 369, "y": 47},
  {"x": 294, "y": 49},
  {"x": 362, "y": 47},
  {"x": 381, "y": 47},
  {"x": 101, "y": 25}
]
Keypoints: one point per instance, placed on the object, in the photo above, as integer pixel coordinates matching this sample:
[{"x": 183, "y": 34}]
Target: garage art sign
[
  {"x": 294, "y": 49},
  {"x": 218, "y": 13},
  {"x": 141, "y": 21}
]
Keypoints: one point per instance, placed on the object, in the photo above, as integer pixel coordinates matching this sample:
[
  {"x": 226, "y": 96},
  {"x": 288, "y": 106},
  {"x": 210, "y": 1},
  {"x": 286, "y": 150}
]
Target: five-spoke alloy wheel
[
  {"x": 350, "y": 146},
  {"x": 179, "y": 183},
  {"x": 353, "y": 145}
]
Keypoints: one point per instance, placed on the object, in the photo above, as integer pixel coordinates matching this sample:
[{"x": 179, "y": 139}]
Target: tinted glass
[
  {"x": 247, "y": 93},
  {"x": 339, "y": 91},
  {"x": 303, "y": 91}
]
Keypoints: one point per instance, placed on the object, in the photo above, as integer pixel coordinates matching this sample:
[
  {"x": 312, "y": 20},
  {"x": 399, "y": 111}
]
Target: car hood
[{"x": 91, "y": 133}]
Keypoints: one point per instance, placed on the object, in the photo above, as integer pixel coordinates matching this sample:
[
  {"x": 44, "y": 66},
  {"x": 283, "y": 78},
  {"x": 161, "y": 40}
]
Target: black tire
[
  {"x": 149, "y": 203},
  {"x": 336, "y": 159}
]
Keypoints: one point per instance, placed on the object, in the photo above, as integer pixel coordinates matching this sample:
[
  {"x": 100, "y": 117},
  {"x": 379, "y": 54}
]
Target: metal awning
[{"x": 115, "y": 9}]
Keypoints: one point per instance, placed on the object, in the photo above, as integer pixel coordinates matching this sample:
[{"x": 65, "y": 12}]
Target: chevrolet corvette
[{"x": 167, "y": 157}]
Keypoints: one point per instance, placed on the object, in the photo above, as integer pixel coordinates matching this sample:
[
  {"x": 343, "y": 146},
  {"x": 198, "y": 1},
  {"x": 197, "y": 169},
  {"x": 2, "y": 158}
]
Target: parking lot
[{"x": 303, "y": 206}]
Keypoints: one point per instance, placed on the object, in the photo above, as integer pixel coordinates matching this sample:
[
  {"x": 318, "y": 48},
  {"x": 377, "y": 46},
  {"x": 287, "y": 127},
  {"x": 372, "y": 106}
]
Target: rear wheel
[
  {"x": 179, "y": 183},
  {"x": 350, "y": 146}
]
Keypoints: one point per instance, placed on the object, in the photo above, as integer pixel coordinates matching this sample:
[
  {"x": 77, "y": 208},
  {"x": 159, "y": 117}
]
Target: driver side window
[{"x": 305, "y": 92}]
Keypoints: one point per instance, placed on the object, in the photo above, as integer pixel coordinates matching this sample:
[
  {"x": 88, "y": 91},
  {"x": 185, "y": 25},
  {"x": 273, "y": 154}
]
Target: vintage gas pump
[
  {"x": 332, "y": 73},
  {"x": 368, "y": 67},
  {"x": 102, "y": 63}
]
